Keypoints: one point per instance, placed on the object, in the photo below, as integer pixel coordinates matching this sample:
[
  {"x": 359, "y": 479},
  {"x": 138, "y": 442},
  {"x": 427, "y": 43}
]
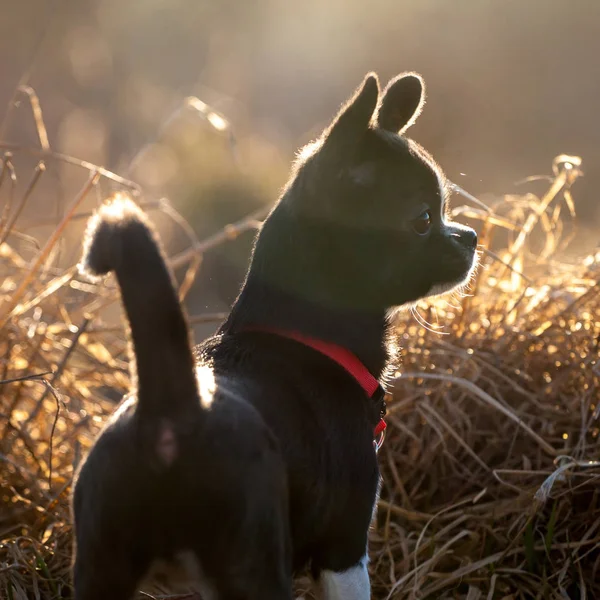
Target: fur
[{"x": 255, "y": 456}]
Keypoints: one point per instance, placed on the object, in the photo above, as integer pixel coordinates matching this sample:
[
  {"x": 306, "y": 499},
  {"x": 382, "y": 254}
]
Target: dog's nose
[{"x": 469, "y": 238}]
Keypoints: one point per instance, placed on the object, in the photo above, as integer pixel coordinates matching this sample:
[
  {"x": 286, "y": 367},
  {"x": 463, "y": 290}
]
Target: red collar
[{"x": 350, "y": 363}]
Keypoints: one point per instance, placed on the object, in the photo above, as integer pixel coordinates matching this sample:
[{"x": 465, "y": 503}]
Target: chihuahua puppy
[{"x": 254, "y": 457}]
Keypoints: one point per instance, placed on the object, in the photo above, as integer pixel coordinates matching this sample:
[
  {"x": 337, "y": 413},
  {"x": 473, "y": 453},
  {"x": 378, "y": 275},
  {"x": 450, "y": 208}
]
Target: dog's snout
[{"x": 468, "y": 237}]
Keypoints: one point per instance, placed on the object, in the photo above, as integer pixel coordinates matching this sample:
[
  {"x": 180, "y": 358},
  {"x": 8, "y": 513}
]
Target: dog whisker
[{"x": 425, "y": 324}]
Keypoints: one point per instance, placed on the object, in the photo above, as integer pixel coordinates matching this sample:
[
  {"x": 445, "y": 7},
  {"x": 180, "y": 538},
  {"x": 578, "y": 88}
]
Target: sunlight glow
[
  {"x": 117, "y": 208},
  {"x": 206, "y": 385},
  {"x": 217, "y": 121}
]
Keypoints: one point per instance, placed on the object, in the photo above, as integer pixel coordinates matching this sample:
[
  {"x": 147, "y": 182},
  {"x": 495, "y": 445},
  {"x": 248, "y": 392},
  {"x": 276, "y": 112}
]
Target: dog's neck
[{"x": 364, "y": 334}]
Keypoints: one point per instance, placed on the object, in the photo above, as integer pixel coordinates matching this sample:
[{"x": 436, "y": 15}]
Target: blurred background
[{"x": 511, "y": 84}]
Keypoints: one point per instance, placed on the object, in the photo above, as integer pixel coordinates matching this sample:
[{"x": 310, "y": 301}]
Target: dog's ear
[
  {"x": 401, "y": 102},
  {"x": 355, "y": 116}
]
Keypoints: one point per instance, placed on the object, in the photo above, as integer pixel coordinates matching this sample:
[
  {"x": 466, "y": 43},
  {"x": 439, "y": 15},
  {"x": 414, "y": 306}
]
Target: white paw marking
[{"x": 352, "y": 584}]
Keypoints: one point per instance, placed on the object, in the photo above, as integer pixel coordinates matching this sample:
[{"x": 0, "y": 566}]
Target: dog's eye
[{"x": 422, "y": 223}]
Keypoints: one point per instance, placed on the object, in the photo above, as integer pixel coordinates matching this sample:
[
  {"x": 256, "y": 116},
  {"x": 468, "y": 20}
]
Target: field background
[{"x": 197, "y": 109}]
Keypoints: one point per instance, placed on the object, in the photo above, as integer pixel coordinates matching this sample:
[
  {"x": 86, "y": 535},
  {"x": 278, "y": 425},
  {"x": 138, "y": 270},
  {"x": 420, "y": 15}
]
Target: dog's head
[{"x": 363, "y": 223}]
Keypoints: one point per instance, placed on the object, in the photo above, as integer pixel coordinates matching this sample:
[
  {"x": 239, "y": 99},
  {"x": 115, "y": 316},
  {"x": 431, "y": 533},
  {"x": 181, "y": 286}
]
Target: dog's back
[{"x": 163, "y": 478}]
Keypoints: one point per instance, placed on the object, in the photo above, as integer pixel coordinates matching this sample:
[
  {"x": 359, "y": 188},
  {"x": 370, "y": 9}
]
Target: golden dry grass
[{"x": 490, "y": 480}]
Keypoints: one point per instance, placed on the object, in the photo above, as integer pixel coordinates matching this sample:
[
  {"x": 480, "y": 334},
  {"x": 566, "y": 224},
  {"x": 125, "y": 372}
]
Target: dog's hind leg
[
  {"x": 251, "y": 558},
  {"x": 111, "y": 577},
  {"x": 252, "y": 575},
  {"x": 256, "y": 591},
  {"x": 257, "y": 566}
]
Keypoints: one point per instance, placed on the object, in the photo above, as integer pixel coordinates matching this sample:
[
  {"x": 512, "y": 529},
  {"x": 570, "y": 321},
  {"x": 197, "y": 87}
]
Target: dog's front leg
[{"x": 351, "y": 584}]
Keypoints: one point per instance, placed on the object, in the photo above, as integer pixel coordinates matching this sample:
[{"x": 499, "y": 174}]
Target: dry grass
[{"x": 490, "y": 485}]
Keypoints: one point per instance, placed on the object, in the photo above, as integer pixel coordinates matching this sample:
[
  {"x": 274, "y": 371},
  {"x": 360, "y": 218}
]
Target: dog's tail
[{"x": 120, "y": 238}]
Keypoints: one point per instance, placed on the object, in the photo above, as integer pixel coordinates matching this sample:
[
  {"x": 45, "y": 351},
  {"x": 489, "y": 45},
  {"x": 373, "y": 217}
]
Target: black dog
[{"x": 256, "y": 457}]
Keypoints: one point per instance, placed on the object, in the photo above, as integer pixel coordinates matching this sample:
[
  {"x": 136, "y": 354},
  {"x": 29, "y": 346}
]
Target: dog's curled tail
[{"x": 119, "y": 238}]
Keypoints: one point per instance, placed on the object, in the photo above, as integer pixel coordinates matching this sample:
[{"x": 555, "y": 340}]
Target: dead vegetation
[{"x": 490, "y": 473}]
